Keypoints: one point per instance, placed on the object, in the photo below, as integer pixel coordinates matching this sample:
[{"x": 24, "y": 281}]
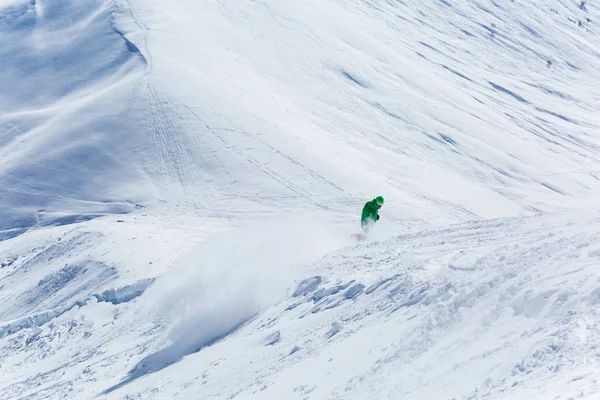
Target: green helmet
[{"x": 379, "y": 200}]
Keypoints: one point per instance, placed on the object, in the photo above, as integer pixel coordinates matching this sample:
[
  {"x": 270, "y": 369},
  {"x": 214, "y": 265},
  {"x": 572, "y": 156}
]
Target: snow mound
[{"x": 63, "y": 137}]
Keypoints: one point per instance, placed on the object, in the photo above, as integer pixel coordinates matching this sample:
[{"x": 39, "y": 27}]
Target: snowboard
[{"x": 359, "y": 237}]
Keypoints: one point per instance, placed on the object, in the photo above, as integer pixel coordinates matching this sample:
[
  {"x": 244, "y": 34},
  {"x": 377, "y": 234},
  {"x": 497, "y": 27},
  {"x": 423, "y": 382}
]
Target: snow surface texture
[{"x": 179, "y": 182}]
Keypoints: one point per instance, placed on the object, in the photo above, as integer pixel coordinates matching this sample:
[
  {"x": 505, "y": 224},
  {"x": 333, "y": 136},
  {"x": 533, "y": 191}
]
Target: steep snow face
[
  {"x": 453, "y": 109},
  {"x": 68, "y": 115},
  {"x": 208, "y": 121}
]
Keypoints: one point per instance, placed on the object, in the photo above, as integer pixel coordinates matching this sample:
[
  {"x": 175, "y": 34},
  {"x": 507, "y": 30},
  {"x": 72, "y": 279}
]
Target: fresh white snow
[{"x": 179, "y": 182}]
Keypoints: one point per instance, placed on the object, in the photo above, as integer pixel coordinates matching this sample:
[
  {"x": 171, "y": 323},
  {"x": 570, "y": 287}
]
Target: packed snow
[{"x": 179, "y": 183}]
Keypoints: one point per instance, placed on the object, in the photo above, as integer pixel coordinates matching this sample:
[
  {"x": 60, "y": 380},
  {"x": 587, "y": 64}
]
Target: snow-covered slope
[
  {"x": 494, "y": 309},
  {"x": 502, "y": 309},
  {"x": 178, "y": 184},
  {"x": 69, "y": 115},
  {"x": 455, "y": 110}
]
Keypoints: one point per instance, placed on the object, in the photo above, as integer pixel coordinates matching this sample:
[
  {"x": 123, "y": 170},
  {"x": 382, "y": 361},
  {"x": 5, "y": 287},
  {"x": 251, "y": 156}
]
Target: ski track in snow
[{"x": 151, "y": 155}]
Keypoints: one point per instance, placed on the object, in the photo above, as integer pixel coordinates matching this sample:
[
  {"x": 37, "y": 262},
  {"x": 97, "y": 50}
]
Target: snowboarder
[{"x": 370, "y": 213}]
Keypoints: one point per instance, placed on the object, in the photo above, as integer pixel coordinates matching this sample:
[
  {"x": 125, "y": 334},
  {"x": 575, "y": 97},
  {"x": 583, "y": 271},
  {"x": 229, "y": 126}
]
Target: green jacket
[{"x": 370, "y": 212}]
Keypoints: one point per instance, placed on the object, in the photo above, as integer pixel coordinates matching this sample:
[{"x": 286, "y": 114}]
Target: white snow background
[{"x": 179, "y": 182}]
